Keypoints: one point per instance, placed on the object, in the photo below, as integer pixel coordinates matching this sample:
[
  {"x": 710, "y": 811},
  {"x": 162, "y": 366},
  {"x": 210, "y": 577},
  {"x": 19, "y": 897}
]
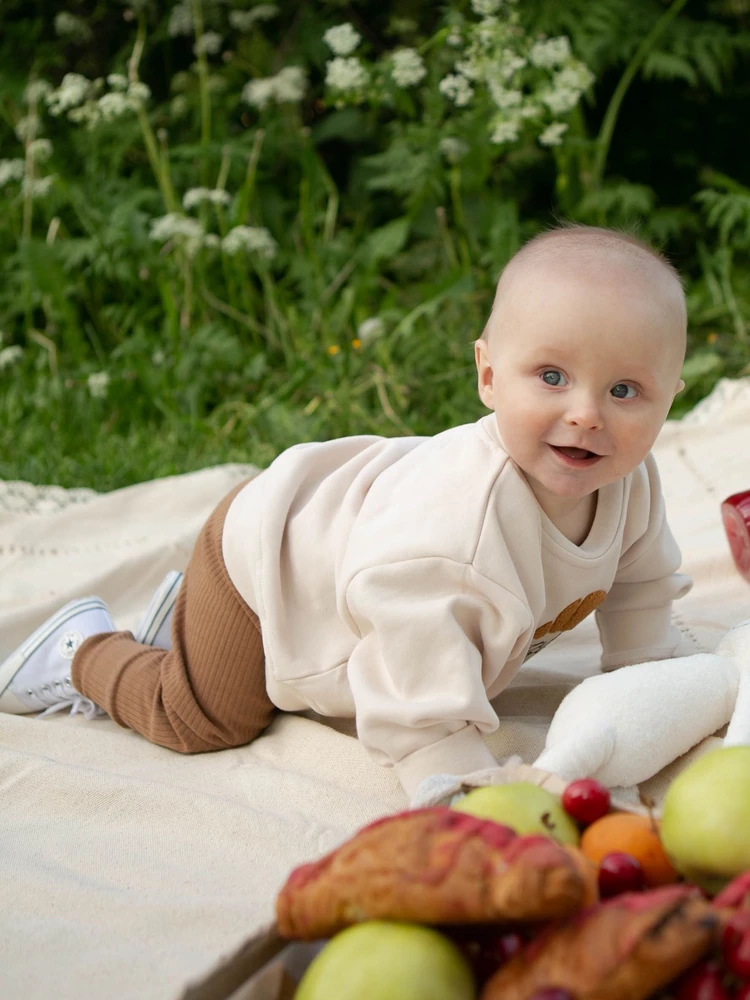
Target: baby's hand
[{"x": 437, "y": 790}]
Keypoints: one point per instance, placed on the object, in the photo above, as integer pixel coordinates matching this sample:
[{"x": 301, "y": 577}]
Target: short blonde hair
[{"x": 582, "y": 243}]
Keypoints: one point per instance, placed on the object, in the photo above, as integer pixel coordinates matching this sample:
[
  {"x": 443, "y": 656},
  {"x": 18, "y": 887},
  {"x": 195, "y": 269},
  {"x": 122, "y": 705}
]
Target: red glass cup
[{"x": 735, "y": 512}]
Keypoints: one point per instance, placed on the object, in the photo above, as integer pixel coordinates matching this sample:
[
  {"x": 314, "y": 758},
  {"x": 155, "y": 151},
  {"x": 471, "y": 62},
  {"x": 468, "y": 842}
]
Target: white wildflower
[
  {"x": 291, "y": 84},
  {"x": 453, "y": 149},
  {"x": 259, "y": 92},
  {"x": 209, "y": 44},
  {"x": 199, "y": 195},
  {"x": 370, "y": 329},
  {"x": 98, "y": 384},
  {"x": 485, "y": 8},
  {"x": 457, "y": 89},
  {"x": 28, "y": 127},
  {"x": 346, "y": 74},
  {"x": 113, "y": 105},
  {"x": 561, "y": 101},
  {"x": 9, "y": 356},
  {"x": 552, "y": 135},
  {"x": 37, "y": 90},
  {"x": 408, "y": 67},
  {"x": 529, "y": 110},
  {"x": 37, "y": 187},
  {"x": 195, "y": 196},
  {"x": 212, "y": 241},
  {"x": 286, "y": 87},
  {"x": 468, "y": 68},
  {"x": 117, "y": 81},
  {"x": 488, "y": 33},
  {"x": 550, "y": 52},
  {"x": 138, "y": 93},
  {"x": 67, "y": 25},
  {"x": 454, "y": 37},
  {"x": 510, "y": 65},
  {"x": 179, "y": 106},
  {"x": 250, "y": 239},
  {"x": 11, "y": 170},
  {"x": 575, "y": 77},
  {"x": 40, "y": 150},
  {"x": 503, "y": 97},
  {"x": 243, "y": 20},
  {"x": 175, "y": 226},
  {"x": 505, "y": 132},
  {"x": 180, "y": 19},
  {"x": 73, "y": 90},
  {"x": 342, "y": 39},
  {"x": 158, "y": 358},
  {"x": 87, "y": 114}
]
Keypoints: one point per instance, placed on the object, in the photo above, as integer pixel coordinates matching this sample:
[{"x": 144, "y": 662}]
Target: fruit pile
[{"x": 516, "y": 893}]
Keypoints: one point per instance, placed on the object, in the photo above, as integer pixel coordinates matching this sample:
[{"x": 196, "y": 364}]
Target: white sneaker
[
  {"x": 155, "y": 628},
  {"x": 36, "y": 676}
]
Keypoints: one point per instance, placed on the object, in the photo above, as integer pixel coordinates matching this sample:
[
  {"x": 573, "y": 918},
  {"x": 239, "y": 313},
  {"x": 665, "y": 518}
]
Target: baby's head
[{"x": 581, "y": 357}]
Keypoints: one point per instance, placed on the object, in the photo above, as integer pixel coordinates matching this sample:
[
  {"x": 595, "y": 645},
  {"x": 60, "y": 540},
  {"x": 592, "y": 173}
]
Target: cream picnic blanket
[{"x": 127, "y": 870}]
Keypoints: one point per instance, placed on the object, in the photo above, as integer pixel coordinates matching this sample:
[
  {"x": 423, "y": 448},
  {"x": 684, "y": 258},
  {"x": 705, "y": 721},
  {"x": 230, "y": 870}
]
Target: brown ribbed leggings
[{"x": 209, "y": 691}]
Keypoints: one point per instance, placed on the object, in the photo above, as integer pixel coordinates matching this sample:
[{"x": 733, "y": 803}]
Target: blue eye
[
  {"x": 553, "y": 377},
  {"x": 623, "y": 391}
]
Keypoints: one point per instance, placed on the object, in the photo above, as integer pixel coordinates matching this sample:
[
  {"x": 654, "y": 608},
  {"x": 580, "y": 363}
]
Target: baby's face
[{"x": 581, "y": 370}]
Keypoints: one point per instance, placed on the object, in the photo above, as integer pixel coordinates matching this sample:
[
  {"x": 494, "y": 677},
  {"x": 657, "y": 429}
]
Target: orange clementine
[{"x": 635, "y": 835}]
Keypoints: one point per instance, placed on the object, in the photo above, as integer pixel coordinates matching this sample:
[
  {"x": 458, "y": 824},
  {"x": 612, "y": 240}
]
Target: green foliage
[{"x": 255, "y": 249}]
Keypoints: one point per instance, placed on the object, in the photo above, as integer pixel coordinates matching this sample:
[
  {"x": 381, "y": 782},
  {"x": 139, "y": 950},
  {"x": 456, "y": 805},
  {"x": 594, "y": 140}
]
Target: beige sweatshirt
[{"x": 404, "y": 581}]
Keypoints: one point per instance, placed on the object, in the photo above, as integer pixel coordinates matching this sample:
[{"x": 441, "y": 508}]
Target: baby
[{"x": 403, "y": 582}]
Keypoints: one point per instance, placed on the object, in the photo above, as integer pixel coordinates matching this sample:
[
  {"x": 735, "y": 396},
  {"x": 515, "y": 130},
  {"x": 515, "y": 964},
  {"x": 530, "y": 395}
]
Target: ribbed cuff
[
  {"x": 637, "y": 637},
  {"x": 460, "y": 753}
]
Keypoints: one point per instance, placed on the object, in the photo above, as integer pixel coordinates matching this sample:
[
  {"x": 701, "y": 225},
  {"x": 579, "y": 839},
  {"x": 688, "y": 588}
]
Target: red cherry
[
  {"x": 619, "y": 872},
  {"x": 552, "y": 993},
  {"x": 735, "y": 944},
  {"x": 586, "y": 800},
  {"x": 486, "y": 949},
  {"x": 702, "y": 982}
]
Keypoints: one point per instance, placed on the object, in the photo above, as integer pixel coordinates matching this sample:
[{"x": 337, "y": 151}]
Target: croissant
[
  {"x": 621, "y": 949},
  {"x": 434, "y": 866},
  {"x": 735, "y": 895}
]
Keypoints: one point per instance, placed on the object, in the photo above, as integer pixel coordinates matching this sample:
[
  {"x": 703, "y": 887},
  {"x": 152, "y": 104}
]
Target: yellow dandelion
[
  {"x": 712, "y": 338},
  {"x": 333, "y": 350},
  {"x": 357, "y": 344}
]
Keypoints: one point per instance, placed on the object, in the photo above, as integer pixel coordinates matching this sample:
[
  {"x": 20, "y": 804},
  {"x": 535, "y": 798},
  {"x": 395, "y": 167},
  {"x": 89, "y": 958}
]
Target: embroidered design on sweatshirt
[
  {"x": 567, "y": 619},
  {"x": 572, "y": 615}
]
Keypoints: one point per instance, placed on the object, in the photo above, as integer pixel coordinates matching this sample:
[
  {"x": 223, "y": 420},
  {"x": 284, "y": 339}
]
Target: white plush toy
[{"x": 622, "y": 728}]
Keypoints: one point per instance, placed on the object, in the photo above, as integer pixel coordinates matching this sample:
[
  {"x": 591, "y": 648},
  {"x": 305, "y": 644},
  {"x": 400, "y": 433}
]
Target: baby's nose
[{"x": 585, "y": 413}]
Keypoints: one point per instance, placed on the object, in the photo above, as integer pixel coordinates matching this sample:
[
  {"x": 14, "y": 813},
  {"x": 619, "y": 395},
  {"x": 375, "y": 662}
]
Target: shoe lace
[{"x": 60, "y": 695}]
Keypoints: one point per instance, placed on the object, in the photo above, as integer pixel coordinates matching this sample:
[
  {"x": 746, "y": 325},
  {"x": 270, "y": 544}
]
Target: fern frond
[
  {"x": 726, "y": 211},
  {"x": 708, "y": 48},
  {"x": 617, "y": 203},
  {"x": 664, "y": 224},
  {"x": 669, "y": 66}
]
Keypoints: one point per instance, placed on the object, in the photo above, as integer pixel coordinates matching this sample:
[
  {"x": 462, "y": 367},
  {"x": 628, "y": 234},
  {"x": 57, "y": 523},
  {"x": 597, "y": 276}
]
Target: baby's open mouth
[{"x": 577, "y": 454}]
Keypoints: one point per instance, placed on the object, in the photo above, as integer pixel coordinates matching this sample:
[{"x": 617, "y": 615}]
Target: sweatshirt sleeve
[
  {"x": 635, "y": 620},
  {"x": 434, "y": 634}
]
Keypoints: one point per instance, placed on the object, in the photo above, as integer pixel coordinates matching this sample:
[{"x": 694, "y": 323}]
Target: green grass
[{"x": 138, "y": 350}]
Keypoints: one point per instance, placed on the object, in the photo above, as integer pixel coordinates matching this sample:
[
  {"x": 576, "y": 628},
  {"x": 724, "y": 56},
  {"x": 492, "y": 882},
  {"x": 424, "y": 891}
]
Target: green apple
[
  {"x": 705, "y": 826},
  {"x": 524, "y": 807},
  {"x": 388, "y": 960}
]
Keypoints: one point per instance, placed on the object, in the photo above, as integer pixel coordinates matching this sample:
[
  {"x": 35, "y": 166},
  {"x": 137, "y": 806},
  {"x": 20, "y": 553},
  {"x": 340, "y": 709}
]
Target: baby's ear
[{"x": 484, "y": 372}]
